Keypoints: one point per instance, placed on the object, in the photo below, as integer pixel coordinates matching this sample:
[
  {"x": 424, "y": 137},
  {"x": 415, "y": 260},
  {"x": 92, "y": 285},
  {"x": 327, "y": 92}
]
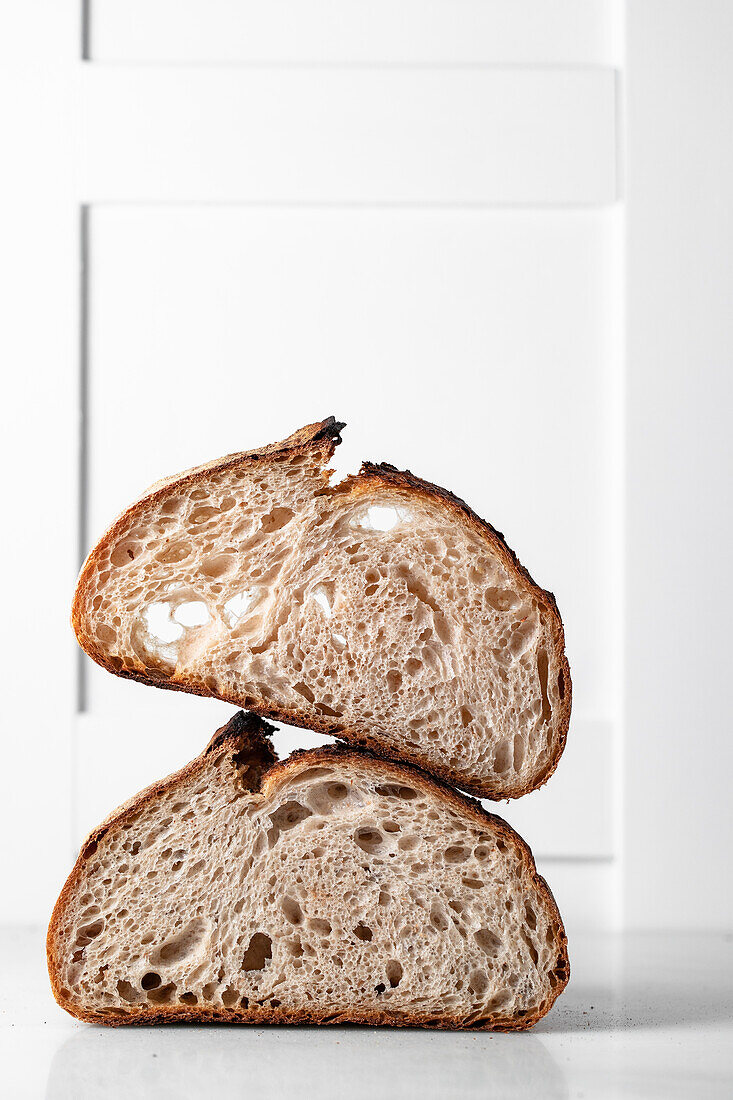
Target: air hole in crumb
[
  {"x": 395, "y": 790},
  {"x": 160, "y": 625},
  {"x": 394, "y": 972},
  {"x": 319, "y": 925},
  {"x": 456, "y": 854},
  {"x": 542, "y": 670},
  {"x": 488, "y": 941},
  {"x": 330, "y": 712},
  {"x": 202, "y": 515},
  {"x": 313, "y": 773},
  {"x": 276, "y": 519},
  {"x": 258, "y": 952},
  {"x": 304, "y": 690},
  {"x": 162, "y": 995},
  {"x": 170, "y": 506},
  {"x": 381, "y": 517},
  {"x": 323, "y": 597},
  {"x": 499, "y": 1000},
  {"x": 89, "y": 932},
  {"x": 368, "y": 839},
  {"x": 501, "y": 599},
  {"x": 174, "y": 553},
  {"x": 150, "y": 980},
  {"x": 239, "y": 605},
  {"x": 478, "y": 982},
  {"x": 124, "y": 553},
  {"x": 559, "y": 974},
  {"x": 289, "y": 815},
  {"x": 292, "y": 910},
  {"x": 438, "y": 917},
  {"x": 503, "y": 757},
  {"x": 183, "y": 945},
  {"x": 363, "y": 932},
  {"x": 218, "y": 565},
  {"x": 192, "y": 613},
  {"x": 394, "y": 680}
]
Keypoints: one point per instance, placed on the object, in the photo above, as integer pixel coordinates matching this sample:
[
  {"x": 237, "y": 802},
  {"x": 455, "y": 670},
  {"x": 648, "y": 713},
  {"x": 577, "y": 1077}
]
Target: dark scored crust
[
  {"x": 325, "y": 437},
  {"x": 248, "y": 736}
]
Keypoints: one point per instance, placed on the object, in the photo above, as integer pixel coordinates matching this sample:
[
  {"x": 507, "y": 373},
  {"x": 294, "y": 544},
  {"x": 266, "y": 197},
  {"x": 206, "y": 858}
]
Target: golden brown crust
[
  {"x": 325, "y": 437},
  {"x": 247, "y": 732}
]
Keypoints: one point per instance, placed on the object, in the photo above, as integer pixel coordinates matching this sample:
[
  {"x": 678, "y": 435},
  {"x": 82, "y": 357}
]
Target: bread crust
[
  {"x": 324, "y": 437},
  {"x": 247, "y": 731}
]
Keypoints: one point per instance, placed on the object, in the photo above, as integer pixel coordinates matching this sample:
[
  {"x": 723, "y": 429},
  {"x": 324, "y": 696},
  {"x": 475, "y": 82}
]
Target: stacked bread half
[{"x": 351, "y": 883}]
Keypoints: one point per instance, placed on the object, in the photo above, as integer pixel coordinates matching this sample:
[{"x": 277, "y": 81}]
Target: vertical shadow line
[
  {"x": 83, "y": 424},
  {"x": 86, "y": 19}
]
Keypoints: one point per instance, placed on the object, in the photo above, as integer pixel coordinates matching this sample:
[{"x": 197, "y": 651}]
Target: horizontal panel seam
[
  {"x": 337, "y": 205},
  {"x": 356, "y": 66}
]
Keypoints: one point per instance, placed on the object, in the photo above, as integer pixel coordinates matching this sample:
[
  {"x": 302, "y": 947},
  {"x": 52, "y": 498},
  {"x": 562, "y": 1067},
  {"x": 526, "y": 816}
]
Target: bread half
[
  {"x": 381, "y": 610},
  {"x": 334, "y": 887}
]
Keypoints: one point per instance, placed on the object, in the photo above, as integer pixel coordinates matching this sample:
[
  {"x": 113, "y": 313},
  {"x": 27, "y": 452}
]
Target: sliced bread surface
[
  {"x": 334, "y": 887},
  {"x": 380, "y": 610}
]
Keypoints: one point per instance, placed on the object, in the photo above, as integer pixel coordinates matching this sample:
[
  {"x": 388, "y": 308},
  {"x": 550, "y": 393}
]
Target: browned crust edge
[
  {"x": 325, "y": 436},
  {"x": 247, "y": 730}
]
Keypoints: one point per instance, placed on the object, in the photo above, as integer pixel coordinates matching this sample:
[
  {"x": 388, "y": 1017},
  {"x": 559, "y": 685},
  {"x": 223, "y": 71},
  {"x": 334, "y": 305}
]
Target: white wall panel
[
  {"x": 346, "y": 232},
  {"x": 352, "y": 31},
  {"x": 39, "y": 291},
  {"x": 678, "y": 811},
  {"x": 422, "y": 135},
  {"x": 214, "y": 329}
]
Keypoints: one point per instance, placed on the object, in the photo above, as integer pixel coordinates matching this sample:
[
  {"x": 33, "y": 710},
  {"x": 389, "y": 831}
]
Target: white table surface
[{"x": 644, "y": 1016}]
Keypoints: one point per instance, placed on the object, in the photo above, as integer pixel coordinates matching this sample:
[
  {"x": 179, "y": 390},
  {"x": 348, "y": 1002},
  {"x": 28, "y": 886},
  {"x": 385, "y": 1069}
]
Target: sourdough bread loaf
[
  {"x": 334, "y": 887},
  {"x": 380, "y": 610}
]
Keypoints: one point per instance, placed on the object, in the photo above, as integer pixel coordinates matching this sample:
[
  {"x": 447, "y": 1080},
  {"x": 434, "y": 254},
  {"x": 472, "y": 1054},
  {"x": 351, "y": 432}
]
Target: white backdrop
[{"x": 466, "y": 228}]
